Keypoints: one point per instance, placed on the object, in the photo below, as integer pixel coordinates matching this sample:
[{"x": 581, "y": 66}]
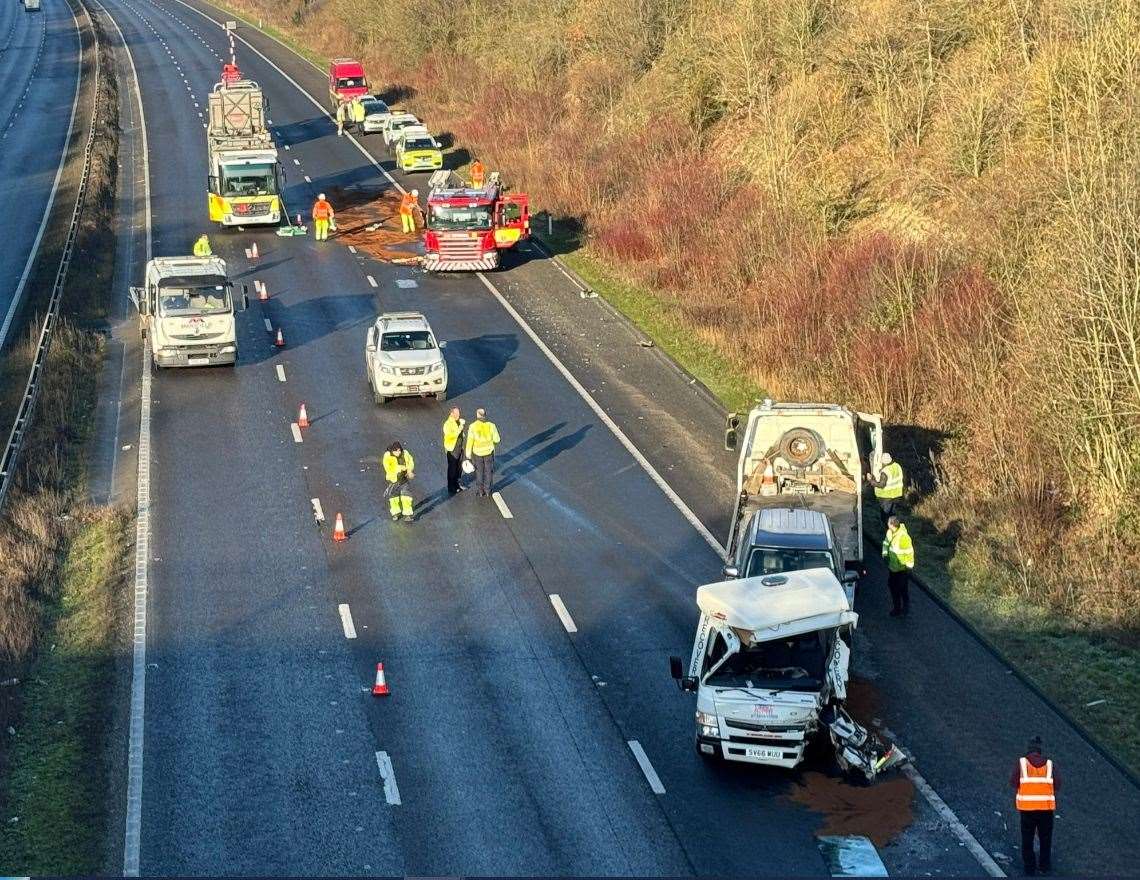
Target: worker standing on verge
[
  {"x": 409, "y": 204},
  {"x": 202, "y": 247},
  {"x": 453, "y": 429},
  {"x": 322, "y": 216},
  {"x": 341, "y": 116},
  {"x": 399, "y": 469},
  {"x": 478, "y": 175},
  {"x": 898, "y": 550},
  {"x": 482, "y": 437},
  {"x": 1036, "y": 783},
  {"x": 888, "y": 486}
]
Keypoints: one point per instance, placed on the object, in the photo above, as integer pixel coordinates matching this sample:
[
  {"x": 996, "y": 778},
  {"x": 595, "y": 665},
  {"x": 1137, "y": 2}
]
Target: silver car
[
  {"x": 376, "y": 114},
  {"x": 402, "y": 358}
]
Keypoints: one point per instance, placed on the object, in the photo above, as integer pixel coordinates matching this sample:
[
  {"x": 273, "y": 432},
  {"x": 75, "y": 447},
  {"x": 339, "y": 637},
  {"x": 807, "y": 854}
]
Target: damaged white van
[{"x": 768, "y": 659}]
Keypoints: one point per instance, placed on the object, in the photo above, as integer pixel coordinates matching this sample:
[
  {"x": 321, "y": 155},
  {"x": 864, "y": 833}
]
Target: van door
[
  {"x": 869, "y": 436},
  {"x": 512, "y": 219},
  {"x": 837, "y": 669}
]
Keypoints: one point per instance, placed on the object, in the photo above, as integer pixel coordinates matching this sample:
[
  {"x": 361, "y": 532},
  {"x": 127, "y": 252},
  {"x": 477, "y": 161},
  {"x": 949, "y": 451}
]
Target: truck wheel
[
  {"x": 802, "y": 447},
  {"x": 441, "y": 395},
  {"x": 379, "y": 398}
]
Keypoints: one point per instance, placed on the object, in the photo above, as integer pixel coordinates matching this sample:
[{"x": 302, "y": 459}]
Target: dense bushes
[{"x": 926, "y": 207}]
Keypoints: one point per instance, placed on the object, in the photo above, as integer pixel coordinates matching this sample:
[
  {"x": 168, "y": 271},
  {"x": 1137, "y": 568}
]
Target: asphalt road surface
[
  {"x": 39, "y": 69},
  {"x": 505, "y": 745}
]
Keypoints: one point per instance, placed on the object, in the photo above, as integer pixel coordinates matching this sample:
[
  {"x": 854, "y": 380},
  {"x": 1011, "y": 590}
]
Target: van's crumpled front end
[{"x": 760, "y": 728}]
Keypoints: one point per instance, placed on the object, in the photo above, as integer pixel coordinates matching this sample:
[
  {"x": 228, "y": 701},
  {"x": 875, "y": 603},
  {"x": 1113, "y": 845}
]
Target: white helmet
[
  {"x": 321, "y": 196},
  {"x": 416, "y": 193},
  {"x": 887, "y": 458}
]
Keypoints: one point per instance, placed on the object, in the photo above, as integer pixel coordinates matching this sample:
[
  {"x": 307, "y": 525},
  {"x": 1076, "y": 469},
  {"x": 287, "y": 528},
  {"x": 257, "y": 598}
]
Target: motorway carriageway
[{"x": 532, "y": 728}]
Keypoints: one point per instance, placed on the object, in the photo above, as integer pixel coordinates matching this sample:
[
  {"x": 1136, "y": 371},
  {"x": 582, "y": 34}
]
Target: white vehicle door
[
  {"x": 732, "y": 646},
  {"x": 370, "y": 351},
  {"x": 870, "y": 430},
  {"x": 837, "y": 669}
]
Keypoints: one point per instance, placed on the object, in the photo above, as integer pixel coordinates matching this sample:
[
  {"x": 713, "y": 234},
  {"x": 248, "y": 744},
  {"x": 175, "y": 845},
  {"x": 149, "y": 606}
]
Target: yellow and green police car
[{"x": 417, "y": 150}]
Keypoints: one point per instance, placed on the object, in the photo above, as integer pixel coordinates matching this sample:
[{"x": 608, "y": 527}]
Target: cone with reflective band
[
  {"x": 303, "y": 417},
  {"x": 380, "y": 688},
  {"x": 253, "y": 255},
  {"x": 338, "y": 529},
  {"x": 280, "y": 341},
  {"x": 262, "y": 291}
]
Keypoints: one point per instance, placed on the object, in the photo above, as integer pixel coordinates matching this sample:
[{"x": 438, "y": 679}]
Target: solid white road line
[
  {"x": 293, "y": 426},
  {"x": 268, "y": 324},
  {"x": 280, "y": 373},
  {"x": 391, "y": 790},
  {"x": 132, "y": 831},
  {"x": 372, "y": 281},
  {"x": 346, "y": 622},
  {"x": 947, "y": 815},
  {"x": 563, "y": 614},
  {"x": 35, "y": 248},
  {"x": 502, "y": 505},
  {"x": 646, "y": 768}
]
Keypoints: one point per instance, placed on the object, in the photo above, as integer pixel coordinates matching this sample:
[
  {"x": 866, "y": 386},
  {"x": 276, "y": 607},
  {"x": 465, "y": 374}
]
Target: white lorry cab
[
  {"x": 767, "y": 659},
  {"x": 186, "y": 312}
]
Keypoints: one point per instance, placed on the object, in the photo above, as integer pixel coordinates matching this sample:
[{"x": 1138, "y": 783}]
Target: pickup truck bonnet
[{"x": 760, "y": 609}]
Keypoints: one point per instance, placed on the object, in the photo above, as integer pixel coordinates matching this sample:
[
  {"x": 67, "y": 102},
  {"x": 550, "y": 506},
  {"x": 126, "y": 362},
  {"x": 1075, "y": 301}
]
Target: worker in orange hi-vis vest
[
  {"x": 478, "y": 175},
  {"x": 322, "y": 217},
  {"x": 1036, "y": 783},
  {"x": 409, "y": 204}
]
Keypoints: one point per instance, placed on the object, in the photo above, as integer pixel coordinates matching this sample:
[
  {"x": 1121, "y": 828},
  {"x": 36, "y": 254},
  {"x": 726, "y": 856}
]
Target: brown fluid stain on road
[
  {"x": 358, "y": 208},
  {"x": 881, "y": 811}
]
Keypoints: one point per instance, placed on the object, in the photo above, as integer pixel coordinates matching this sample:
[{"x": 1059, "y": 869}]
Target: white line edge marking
[
  {"x": 34, "y": 252},
  {"x": 643, "y": 761},
  {"x": 574, "y": 383},
  {"x": 502, "y": 505},
  {"x": 346, "y": 621},
  {"x": 563, "y": 614},
  {"x": 372, "y": 281},
  {"x": 132, "y": 833},
  {"x": 268, "y": 324},
  {"x": 391, "y": 790},
  {"x": 296, "y": 429},
  {"x": 280, "y": 373}
]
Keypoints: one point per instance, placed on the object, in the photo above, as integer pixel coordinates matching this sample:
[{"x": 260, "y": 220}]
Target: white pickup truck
[{"x": 186, "y": 312}]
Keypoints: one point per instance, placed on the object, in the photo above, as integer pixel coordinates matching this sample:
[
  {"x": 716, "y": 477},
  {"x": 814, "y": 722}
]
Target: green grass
[
  {"x": 57, "y": 787},
  {"x": 657, "y": 321}
]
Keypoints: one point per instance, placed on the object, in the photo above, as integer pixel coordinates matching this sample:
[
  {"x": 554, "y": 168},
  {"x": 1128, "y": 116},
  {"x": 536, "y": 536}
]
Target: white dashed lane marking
[
  {"x": 280, "y": 373},
  {"x": 643, "y": 761},
  {"x": 391, "y": 790},
  {"x": 372, "y": 281},
  {"x": 346, "y": 621},
  {"x": 563, "y": 614},
  {"x": 296, "y": 432},
  {"x": 502, "y": 505},
  {"x": 268, "y": 324}
]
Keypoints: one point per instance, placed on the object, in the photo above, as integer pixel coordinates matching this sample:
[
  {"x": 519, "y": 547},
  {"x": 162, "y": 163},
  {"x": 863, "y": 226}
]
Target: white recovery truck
[
  {"x": 770, "y": 665},
  {"x": 800, "y": 485},
  {"x": 245, "y": 180},
  {"x": 186, "y": 312}
]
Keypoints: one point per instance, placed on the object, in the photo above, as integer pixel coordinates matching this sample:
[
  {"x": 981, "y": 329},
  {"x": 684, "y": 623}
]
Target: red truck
[
  {"x": 346, "y": 81},
  {"x": 467, "y": 228}
]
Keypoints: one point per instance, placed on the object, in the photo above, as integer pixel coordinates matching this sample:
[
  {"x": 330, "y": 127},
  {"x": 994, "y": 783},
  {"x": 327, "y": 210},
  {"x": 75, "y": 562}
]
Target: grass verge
[{"x": 62, "y": 586}]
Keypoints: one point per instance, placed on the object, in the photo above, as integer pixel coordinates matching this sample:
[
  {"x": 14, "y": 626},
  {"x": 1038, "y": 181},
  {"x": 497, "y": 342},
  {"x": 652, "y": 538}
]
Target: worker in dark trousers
[
  {"x": 898, "y": 550},
  {"x": 482, "y": 438},
  {"x": 888, "y": 486},
  {"x": 1036, "y": 783},
  {"x": 453, "y": 430}
]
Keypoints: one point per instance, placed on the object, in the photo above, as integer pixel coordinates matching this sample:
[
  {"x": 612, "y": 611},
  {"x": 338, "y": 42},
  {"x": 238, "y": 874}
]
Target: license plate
[
  {"x": 198, "y": 361},
  {"x": 413, "y": 387},
  {"x": 758, "y": 752}
]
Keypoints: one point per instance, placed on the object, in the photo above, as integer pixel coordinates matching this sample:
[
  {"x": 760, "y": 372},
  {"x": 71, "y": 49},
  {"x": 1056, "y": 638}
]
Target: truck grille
[
  {"x": 759, "y": 728},
  {"x": 412, "y": 371}
]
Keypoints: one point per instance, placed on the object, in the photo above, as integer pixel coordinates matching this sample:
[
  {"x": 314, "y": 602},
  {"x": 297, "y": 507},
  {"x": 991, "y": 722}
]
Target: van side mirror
[
  {"x": 731, "y": 424},
  {"x": 731, "y": 571},
  {"x": 851, "y": 576},
  {"x": 136, "y": 297}
]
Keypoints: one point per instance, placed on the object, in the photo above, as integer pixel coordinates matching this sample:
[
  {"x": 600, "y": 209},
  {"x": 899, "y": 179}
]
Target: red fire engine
[{"x": 467, "y": 228}]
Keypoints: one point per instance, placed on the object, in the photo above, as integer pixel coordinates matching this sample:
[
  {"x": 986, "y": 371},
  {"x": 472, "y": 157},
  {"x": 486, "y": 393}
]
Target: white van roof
[{"x": 779, "y": 605}]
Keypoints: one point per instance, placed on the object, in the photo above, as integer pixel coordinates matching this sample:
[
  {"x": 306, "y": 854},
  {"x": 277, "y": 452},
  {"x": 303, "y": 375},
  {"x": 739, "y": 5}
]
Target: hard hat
[
  {"x": 415, "y": 192},
  {"x": 321, "y": 196},
  {"x": 467, "y": 467},
  {"x": 887, "y": 458}
]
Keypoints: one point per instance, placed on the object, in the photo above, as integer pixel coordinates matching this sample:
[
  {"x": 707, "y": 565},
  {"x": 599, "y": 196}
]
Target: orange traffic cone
[
  {"x": 262, "y": 291},
  {"x": 253, "y": 255},
  {"x": 303, "y": 417},
  {"x": 768, "y": 481},
  {"x": 338, "y": 529},
  {"x": 380, "y": 688},
  {"x": 280, "y": 341}
]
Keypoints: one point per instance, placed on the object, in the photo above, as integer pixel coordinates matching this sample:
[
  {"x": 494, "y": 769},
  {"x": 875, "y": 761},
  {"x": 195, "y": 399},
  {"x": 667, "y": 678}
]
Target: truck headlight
[
  {"x": 387, "y": 371},
  {"x": 707, "y": 724},
  {"x": 227, "y": 349},
  {"x": 436, "y": 368}
]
